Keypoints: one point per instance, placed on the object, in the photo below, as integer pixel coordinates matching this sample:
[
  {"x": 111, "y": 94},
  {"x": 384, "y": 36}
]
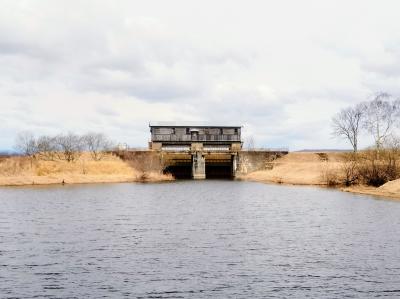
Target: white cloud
[{"x": 280, "y": 68}]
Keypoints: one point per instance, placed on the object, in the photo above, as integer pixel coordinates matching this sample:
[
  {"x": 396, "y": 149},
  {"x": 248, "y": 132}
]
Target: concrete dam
[{"x": 199, "y": 152}]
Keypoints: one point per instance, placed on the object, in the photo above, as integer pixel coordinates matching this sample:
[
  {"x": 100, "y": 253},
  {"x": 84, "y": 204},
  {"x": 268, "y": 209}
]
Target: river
[{"x": 197, "y": 239}]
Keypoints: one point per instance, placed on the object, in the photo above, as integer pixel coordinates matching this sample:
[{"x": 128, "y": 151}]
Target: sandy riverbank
[
  {"x": 18, "y": 171},
  {"x": 311, "y": 169},
  {"x": 390, "y": 189},
  {"x": 294, "y": 169}
]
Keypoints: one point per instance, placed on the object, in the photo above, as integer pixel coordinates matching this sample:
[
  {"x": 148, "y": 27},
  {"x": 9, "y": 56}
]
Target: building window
[{"x": 187, "y": 131}]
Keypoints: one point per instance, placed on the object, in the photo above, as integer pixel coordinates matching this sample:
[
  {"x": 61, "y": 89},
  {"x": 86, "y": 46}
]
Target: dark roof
[{"x": 190, "y": 124}]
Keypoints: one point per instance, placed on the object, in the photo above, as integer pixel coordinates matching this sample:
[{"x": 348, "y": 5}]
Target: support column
[
  {"x": 234, "y": 165},
  {"x": 198, "y": 166}
]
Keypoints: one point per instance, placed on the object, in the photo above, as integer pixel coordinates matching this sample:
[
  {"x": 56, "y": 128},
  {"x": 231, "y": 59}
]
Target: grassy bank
[
  {"x": 15, "y": 171},
  {"x": 294, "y": 168},
  {"x": 316, "y": 169}
]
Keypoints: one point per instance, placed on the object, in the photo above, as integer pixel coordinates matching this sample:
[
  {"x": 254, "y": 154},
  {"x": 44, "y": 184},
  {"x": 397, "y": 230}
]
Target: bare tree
[
  {"x": 97, "y": 144},
  {"x": 397, "y": 115},
  {"x": 250, "y": 144},
  {"x": 380, "y": 116},
  {"x": 25, "y": 143},
  {"x": 69, "y": 146},
  {"x": 347, "y": 124},
  {"x": 393, "y": 142},
  {"x": 46, "y": 147}
]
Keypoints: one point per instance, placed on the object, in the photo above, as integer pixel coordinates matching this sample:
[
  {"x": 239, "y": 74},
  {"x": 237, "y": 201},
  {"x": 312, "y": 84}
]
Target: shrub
[
  {"x": 350, "y": 169},
  {"x": 376, "y": 172},
  {"x": 331, "y": 176}
]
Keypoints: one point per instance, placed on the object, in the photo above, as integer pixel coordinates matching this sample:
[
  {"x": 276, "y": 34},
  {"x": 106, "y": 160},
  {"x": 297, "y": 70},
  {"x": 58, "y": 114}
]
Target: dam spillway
[
  {"x": 199, "y": 151},
  {"x": 199, "y": 164},
  {"x": 206, "y": 150},
  {"x": 216, "y": 165}
]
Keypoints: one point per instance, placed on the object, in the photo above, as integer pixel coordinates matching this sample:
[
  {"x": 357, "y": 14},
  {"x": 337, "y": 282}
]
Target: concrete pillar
[
  {"x": 198, "y": 166},
  {"x": 156, "y": 146},
  {"x": 234, "y": 165}
]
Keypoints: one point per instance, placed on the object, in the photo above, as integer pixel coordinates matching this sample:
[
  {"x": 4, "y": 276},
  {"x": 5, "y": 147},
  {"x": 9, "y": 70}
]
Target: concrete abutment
[{"x": 199, "y": 163}]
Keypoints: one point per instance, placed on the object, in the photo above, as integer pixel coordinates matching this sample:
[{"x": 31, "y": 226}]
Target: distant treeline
[
  {"x": 380, "y": 118},
  {"x": 68, "y": 147}
]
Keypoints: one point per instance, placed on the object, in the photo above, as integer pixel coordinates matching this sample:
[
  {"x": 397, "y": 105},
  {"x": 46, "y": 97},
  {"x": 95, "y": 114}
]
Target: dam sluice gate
[
  {"x": 197, "y": 151},
  {"x": 199, "y": 165}
]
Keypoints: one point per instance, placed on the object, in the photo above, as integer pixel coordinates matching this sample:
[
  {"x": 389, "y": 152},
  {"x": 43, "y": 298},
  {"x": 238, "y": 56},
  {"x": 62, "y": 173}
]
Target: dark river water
[{"x": 197, "y": 239}]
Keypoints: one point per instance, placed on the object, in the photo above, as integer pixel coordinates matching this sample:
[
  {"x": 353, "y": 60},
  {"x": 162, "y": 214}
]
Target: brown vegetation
[
  {"x": 350, "y": 172},
  {"x": 71, "y": 158},
  {"x": 25, "y": 171}
]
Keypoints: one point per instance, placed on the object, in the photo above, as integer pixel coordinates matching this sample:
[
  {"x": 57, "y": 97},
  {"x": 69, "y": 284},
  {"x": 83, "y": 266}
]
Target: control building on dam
[{"x": 197, "y": 151}]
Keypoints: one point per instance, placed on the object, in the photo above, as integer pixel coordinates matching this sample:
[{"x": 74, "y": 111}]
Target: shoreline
[
  {"x": 313, "y": 169},
  {"x": 296, "y": 169},
  {"x": 374, "y": 191},
  {"x": 358, "y": 189},
  {"x": 51, "y": 181},
  {"x": 20, "y": 171}
]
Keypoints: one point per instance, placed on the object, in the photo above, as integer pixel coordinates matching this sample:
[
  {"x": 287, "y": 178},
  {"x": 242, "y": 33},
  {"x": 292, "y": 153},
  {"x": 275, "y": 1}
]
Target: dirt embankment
[
  {"x": 16, "y": 171},
  {"x": 313, "y": 169},
  {"x": 298, "y": 169}
]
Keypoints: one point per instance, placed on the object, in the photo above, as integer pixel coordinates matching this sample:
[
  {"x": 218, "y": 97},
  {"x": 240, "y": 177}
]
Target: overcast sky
[{"x": 279, "y": 68}]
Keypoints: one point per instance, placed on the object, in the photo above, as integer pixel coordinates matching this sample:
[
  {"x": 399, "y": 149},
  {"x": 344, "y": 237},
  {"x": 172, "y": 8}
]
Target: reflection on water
[{"x": 197, "y": 239}]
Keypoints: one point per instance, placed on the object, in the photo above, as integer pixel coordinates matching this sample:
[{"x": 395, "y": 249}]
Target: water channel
[{"x": 197, "y": 239}]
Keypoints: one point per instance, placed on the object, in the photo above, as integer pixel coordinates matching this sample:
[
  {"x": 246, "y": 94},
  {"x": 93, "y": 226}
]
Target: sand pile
[{"x": 391, "y": 187}]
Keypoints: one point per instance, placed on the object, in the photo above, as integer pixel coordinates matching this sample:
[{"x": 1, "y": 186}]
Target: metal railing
[
  {"x": 207, "y": 137},
  {"x": 176, "y": 148}
]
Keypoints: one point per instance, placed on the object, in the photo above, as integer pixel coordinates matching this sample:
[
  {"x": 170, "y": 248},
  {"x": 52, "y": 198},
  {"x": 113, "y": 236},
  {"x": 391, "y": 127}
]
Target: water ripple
[{"x": 211, "y": 239}]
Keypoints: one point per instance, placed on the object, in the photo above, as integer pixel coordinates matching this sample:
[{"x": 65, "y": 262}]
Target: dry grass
[
  {"x": 298, "y": 169},
  {"x": 20, "y": 171},
  {"x": 316, "y": 169}
]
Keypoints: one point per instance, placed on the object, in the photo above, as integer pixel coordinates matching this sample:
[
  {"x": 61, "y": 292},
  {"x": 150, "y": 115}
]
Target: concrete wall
[
  {"x": 250, "y": 161},
  {"x": 145, "y": 161},
  {"x": 247, "y": 161}
]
